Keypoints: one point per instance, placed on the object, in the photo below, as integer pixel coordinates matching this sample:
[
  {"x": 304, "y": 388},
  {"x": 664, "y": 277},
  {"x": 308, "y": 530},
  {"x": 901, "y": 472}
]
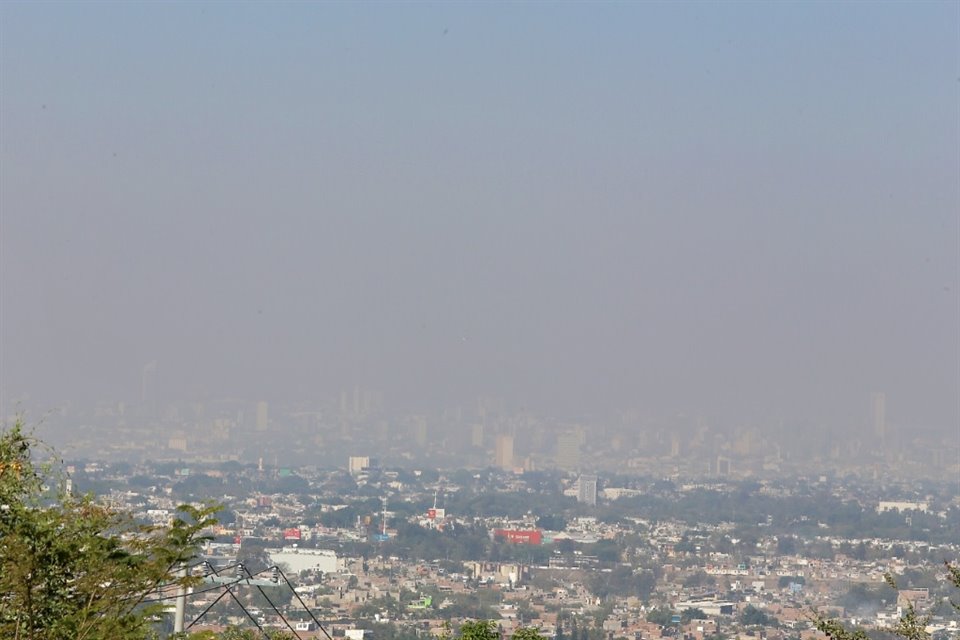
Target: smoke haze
[{"x": 740, "y": 210}]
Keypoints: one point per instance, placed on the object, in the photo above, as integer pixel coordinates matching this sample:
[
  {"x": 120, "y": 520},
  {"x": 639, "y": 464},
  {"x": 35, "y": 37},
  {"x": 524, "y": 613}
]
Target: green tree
[
  {"x": 784, "y": 581},
  {"x": 234, "y": 633},
  {"x": 912, "y": 625},
  {"x": 478, "y": 630},
  {"x": 526, "y": 633},
  {"x": 754, "y": 616},
  {"x": 693, "y": 613},
  {"x": 73, "y": 569},
  {"x": 253, "y": 554},
  {"x": 660, "y": 615}
]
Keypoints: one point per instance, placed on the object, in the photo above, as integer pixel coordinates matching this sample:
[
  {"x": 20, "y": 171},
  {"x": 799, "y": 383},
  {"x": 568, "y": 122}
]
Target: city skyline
[{"x": 745, "y": 212}]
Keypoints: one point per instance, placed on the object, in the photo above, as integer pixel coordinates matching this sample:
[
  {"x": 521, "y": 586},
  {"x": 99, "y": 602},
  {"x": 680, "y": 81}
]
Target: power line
[
  {"x": 213, "y": 588},
  {"x": 241, "y": 580},
  {"x": 196, "y": 593},
  {"x": 263, "y": 593},
  {"x": 303, "y": 604},
  {"x": 212, "y": 604},
  {"x": 159, "y": 589},
  {"x": 235, "y": 599}
]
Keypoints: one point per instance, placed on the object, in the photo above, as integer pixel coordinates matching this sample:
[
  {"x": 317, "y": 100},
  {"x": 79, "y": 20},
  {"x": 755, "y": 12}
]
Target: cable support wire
[
  {"x": 173, "y": 586},
  {"x": 235, "y": 599},
  {"x": 275, "y": 570},
  {"x": 267, "y": 598},
  {"x": 213, "y": 588},
  {"x": 304, "y": 604}
]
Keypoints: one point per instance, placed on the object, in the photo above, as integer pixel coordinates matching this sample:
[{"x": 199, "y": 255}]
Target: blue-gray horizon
[{"x": 737, "y": 208}]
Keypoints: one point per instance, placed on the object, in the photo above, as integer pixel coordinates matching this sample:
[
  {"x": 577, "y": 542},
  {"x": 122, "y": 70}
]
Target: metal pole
[{"x": 181, "y": 603}]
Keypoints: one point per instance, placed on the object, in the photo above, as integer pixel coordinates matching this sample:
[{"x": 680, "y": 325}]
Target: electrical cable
[
  {"x": 174, "y": 585},
  {"x": 212, "y": 604},
  {"x": 227, "y": 590},
  {"x": 267, "y": 598},
  {"x": 303, "y": 604},
  {"x": 196, "y": 593},
  {"x": 140, "y": 598},
  {"x": 235, "y": 599},
  {"x": 213, "y": 588}
]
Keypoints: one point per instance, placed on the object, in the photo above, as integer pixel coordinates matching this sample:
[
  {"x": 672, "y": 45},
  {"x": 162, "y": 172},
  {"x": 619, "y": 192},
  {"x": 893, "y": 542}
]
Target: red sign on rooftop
[{"x": 519, "y": 536}]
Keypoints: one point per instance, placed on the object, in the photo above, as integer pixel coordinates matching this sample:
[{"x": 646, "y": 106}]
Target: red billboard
[
  {"x": 519, "y": 536},
  {"x": 291, "y": 534}
]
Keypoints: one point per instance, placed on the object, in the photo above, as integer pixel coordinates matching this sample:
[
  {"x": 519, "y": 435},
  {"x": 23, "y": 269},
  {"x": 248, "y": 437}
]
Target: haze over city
[
  {"x": 741, "y": 212},
  {"x": 480, "y": 321}
]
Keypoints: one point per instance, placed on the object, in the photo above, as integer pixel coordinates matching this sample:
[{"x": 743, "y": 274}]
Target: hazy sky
[{"x": 728, "y": 208}]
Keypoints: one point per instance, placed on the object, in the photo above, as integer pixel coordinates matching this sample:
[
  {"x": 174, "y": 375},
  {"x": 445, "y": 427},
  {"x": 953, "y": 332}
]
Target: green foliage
[
  {"x": 73, "y": 569},
  {"x": 479, "y": 630},
  {"x": 388, "y": 630},
  {"x": 623, "y": 581},
  {"x": 861, "y": 597},
  {"x": 660, "y": 616},
  {"x": 836, "y": 631},
  {"x": 911, "y": 625},
  {"x": 605, "y": 550},
  {"x": 478, "y": 605},
  {"x": 794, "y": 516},
  {"x": 234, "y": 633},
  {"x": 526, "y": 633},
  {"x": 784, "y": 581},
  {"x": 551, "y": 522},
  {"x": 692, "y": 613},
  {"x": 513, "y": 505},
  {"x": 253, "y": 554},
  {"x": 754, "y": 616},
  {"x": 786, "y": 545}
]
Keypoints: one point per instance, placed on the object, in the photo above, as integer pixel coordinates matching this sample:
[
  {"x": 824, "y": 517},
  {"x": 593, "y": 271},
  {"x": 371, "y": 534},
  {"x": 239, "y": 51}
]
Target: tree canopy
[{"x": 74, "y": 569}]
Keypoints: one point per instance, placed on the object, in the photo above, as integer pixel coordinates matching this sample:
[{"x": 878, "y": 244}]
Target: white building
[{"x": 299, "y": 560}]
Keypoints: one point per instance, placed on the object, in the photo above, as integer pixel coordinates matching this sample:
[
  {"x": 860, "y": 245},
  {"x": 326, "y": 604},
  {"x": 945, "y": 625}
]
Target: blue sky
[{"x": 720, "y": 207}]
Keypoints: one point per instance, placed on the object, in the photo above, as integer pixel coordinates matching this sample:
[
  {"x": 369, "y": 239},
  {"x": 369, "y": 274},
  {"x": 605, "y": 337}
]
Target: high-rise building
[
  {"x": 263, "y": 418},
  {"x": 587, "y": 489},
  {"x": 878, "y": 417},
  {"x": 356, "y": 464},
  {"x": 568, "y": 451},
  {"x": 476, "y": 435},
  {"x": 504, "y": 452},
  {"x": 724, "y": 466},
  {"x": 674, "y": 446},
  {"x": 420, "y": 430}
]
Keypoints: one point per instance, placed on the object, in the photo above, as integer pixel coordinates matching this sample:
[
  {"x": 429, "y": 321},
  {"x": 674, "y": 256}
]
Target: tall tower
[
  {"x": 262, "y": 415},
  {"x": 878, "y": 417},
  {"x": 420, "y": 430},
  {"x": 587, "y": 489},
  {"x": 504, "y": 452},
  {"x": 568, "y": 451},
  {"x": 476, "y": 435}
]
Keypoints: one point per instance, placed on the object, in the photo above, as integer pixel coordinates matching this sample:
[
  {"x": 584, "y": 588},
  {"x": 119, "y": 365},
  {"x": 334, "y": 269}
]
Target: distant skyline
[{"x": 737, "y": 209}]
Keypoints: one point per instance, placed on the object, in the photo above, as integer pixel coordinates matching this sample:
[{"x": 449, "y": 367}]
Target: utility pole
[{"x": 181, "y": 603}]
